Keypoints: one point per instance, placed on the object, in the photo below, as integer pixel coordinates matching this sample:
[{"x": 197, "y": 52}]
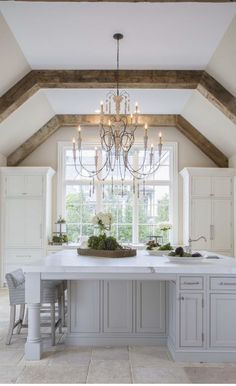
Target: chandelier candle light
[{"x": 117, "y": 138}]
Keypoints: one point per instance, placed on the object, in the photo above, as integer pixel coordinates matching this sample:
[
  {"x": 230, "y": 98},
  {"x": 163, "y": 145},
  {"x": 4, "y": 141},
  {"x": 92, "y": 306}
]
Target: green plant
[
  {"x": 102, "y": 242},
  {"x": 166, "y": 247}
]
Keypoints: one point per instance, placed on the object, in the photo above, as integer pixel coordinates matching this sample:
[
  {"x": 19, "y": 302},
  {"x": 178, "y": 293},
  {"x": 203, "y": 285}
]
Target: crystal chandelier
[{"x": 117, "y": 137}]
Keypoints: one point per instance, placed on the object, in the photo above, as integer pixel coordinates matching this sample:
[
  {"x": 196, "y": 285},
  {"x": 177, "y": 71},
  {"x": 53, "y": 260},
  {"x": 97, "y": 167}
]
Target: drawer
[
  {"x": 21, "y": 257},
  {"x": 191, "y": 283},
  {"x": 223, "y": 283}
]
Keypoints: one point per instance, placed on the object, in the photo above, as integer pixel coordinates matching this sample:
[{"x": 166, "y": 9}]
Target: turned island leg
[{"x": 33, "y": 346}]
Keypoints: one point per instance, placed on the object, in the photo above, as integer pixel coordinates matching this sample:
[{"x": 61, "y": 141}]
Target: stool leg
[
  {"x": 60, "y": 314},
  {"x": 63, "y": 319},
  {"x": 21, "y": 318},
  {"x": 11, "y": 323},
  {"x": 52, "y": 308},
  {"x": 26, "y": 316}
]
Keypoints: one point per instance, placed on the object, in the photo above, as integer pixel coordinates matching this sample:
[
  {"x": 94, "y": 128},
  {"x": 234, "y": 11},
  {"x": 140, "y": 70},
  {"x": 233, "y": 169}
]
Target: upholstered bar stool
[{"x": 51, "y": 294}]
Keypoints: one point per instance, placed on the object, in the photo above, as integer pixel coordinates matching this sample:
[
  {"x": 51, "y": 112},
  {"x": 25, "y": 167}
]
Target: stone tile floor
[{"x": 133, "y": 364}]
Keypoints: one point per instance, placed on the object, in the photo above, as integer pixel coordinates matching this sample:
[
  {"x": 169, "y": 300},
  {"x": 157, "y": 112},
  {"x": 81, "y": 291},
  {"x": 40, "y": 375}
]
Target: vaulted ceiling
[{"x": 158, "y": 36}]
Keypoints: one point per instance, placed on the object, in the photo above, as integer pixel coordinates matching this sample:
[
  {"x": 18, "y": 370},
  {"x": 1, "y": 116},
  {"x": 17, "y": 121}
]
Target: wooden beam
[
  {"x": 58, "y": 121},
  {"x": 33, "y": 142},
  {"x": 201, "y": 142},
  {"x": 215, "y": 93},
  {"x": 18, "y": 94},
  {"x": 147, "y": 79},
  {"x": 38, "y": 79},
  {"x": 93, "y": 120}
]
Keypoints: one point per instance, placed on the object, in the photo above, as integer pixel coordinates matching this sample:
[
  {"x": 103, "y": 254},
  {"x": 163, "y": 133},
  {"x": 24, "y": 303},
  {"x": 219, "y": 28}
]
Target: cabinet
[
  {"x": 191, "y": 320},
  {"x": 25, "y": 215},
  {"x": 208, "y": 208}
]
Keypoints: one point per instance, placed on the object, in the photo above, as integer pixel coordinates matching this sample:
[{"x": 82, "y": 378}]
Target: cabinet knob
[{"x": 181, "y": 298}]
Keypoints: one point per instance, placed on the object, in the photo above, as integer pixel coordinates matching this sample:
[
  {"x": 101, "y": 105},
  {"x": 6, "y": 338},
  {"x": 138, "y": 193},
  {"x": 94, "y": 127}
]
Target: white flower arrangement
[
  {"x": 165, "y": 226},
  {"x": 103, "y": 221}
]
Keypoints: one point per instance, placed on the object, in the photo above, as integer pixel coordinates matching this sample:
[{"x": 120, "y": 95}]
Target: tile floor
[{"x": 63, "y": 364}]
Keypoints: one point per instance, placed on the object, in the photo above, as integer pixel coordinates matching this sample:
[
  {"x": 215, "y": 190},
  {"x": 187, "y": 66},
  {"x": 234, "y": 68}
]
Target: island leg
[{"x": 33, "y": 346}]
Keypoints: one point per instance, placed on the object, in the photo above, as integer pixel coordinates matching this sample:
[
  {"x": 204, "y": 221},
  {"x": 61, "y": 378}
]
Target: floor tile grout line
[{"x": 86, "y": 380}]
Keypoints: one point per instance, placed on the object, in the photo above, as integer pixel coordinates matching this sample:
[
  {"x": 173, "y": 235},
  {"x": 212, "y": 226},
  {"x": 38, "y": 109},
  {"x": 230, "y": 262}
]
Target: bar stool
[{"x": 50, "y": 294}]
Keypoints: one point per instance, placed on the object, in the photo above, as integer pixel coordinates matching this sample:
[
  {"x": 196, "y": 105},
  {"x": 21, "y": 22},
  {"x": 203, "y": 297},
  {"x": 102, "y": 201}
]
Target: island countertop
[{"x": 70, "y": 261}]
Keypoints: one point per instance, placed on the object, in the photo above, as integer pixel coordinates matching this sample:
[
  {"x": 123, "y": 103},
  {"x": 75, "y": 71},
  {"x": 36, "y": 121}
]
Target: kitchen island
[{"x": 141, "y": 300}]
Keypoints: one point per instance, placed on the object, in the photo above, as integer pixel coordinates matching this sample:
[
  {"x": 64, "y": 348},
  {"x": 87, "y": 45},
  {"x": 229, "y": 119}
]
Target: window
[{"x": 137, "y": 210}]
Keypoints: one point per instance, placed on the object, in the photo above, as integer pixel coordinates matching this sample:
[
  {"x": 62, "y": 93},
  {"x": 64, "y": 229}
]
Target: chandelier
[{"x": 117, "y": 137}]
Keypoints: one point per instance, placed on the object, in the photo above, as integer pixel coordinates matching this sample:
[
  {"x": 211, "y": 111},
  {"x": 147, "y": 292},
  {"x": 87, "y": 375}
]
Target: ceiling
[
  {"x": 79, "y": 35},
  {"x": 36, "y": 35}
]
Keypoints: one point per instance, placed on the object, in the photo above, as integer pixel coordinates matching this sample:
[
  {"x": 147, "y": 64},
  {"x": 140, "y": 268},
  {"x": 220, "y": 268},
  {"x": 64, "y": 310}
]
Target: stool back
[{"x": 16, "y": 285}]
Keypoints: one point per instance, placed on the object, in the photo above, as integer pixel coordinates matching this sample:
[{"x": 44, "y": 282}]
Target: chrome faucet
[{"x": 189, "y": 247}]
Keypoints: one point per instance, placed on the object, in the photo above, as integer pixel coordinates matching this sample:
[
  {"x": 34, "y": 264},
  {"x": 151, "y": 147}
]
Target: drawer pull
[
  {"x": 222, "y": 283},
  {"x": 191, "y": 282},
  {"x": 23, "y": 255}
]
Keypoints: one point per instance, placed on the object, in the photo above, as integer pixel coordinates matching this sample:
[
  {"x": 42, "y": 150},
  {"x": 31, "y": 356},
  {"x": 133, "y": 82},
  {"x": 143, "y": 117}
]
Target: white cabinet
[
  {"x": 222, "y": 320},
  {"x": 208, "y": 208},
  {"x": 151, "y": 311},
  {"x": 118, "y": 310},
  {"x": 191, "y": 320},
  {"x": 25, "y": 215}
]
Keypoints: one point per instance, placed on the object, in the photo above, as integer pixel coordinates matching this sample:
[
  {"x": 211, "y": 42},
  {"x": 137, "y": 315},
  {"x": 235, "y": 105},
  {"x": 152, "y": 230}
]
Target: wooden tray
[{"x": 106, "y": 253}]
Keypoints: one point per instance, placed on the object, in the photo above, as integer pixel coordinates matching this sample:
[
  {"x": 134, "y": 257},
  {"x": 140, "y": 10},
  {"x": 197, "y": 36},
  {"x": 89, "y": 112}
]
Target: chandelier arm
[
  {"x": 151, "y": 171},
  {"x": 93, "y": 174}
]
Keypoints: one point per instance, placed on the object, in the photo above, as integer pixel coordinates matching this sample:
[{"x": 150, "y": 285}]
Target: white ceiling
[
  {"x": 87, "y": 101},
  {"x": 79, "y": 35}
]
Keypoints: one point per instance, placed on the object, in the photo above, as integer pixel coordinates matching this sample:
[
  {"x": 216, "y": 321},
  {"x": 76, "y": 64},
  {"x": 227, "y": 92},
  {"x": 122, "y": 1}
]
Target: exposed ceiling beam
[
  {"x": 39, "y": 79},
  {"x": 201, "y": 142},
  {"x": 218, "y": 96},
  {"x": 58, "y": 121},
  {"x": 148, "y": 79}
]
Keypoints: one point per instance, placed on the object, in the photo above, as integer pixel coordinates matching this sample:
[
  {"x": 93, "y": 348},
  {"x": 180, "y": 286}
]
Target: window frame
[{"x": 173, "y": 186}]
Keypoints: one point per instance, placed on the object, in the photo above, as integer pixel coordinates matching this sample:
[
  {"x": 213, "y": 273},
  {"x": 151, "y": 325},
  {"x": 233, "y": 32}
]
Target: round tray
[{"x": 106, "y": 253}]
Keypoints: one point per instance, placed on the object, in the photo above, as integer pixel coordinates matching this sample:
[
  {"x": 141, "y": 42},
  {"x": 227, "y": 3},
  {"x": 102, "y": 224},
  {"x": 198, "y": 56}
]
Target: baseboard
[
  {"x": 201, "y": 355},
  {"x": 76, "y": 339}
]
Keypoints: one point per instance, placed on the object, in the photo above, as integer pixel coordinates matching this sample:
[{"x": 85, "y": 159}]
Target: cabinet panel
[
  {"x": 201, "y": 186},
  {"x": 15, "y": 218},
  {"x": 34, "y": 185},
  {"x": 23, "y": 222},
  {"x": 15, "y": 185},
  {"x": 222, "y": 186},
  {"x": 191, "y": 320},
  {"x": 151, "y": 311},
  {"x": 118, "y": 306},
  {"x": 33, "y": 222},
  {"x": 172, "y": 311},
  {"x": 222, "y": 224},
  {"x": 223, "y": 320},
  {"x": 200, "y": 222},
  {"x": 85, "y": 303}
]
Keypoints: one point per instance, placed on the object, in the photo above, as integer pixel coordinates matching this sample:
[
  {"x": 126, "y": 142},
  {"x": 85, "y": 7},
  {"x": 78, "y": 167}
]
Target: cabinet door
[
  {"x": 191, "y": 320},
  {"x": 34, "y": 185},
  {"x": 172, "y": 312},
  {"x": 15, "y": 222},
  {"x": 85, "y": 302},
  {"x": 223, "y": 320},
  {"x": 201, "y": 220},
  {"x": 23, "y": 222},
  {"x": 222, "y": 224},
  {"x": 33, "y": 222},
  {"x": 15, "y": 185},
  {"x": 221, "y": 186},
  {"x": 16, "y": 258},
  {"x": 201, "y": 186},
  {"x": 118, "y": 306},
  {"x": 151, "y": 296}
]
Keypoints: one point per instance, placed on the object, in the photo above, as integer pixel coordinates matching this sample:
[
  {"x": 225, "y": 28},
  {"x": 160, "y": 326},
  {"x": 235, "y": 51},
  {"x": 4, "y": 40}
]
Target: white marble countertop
[{"x": 69, "y": 261}]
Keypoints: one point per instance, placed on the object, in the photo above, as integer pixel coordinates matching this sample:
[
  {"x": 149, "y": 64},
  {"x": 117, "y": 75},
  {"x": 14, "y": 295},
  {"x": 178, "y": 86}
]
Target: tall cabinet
[
  {"x": 25, "y": 215},
  {"x": 208, "y": 208}
]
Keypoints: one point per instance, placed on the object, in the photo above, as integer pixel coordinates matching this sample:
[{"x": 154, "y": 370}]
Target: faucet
[{"x": 189, "y": 247}]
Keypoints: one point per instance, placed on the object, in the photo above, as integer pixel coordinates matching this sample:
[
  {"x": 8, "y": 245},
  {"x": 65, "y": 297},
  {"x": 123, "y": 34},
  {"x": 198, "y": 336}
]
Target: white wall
[
  {"x": 3, "y": 160},
  {"x": 189, "y": 155}
]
